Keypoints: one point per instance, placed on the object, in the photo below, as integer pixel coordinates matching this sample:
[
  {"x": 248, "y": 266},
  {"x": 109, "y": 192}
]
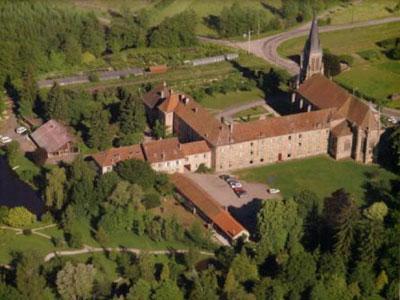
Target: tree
[
  {"x": 244, "y": 269},
  {"x": 105, "y": 184},
  {"x": 54, "y": 191},
  {"x": 126, "y": 194},
  {"x": 29, "y": 93},
  {"x": 333, "y": 288},
  {"x": 159, "y": 129},
  {"x": 100, "y": 132},
  {"x": 92, "y": 37},
  {"x": 75, "y": 282},
  {"x": 151, "y": 200},
  {"x": 140, "y": 291},
  {"x": 56, "y": 105},
  {"x": 29, "y": 281},
  {"x": 300, "y": 272},
  {"x": 205, "y": 286},
  {"x": 377, "y": 211},
  {"x": 145, "y": 265},
  {"x": 132, "y": 117},
  {"x": 72, "y": 50},
  {"x": 278, "y": 227},
  {"x": 137, "y": 171},
  {"x": 19, "y": 217},
  {"x": 168, "y": 290},
  {"x": 341, "y": 216},
  {"x": 176, "y": 31}
]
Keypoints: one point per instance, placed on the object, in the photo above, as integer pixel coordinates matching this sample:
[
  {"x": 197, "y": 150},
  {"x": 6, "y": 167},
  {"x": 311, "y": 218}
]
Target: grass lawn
[
  {"x": 220, "y": 101},
  {"x": 362, "y": 11},
  {"x": 321, "y": 175},
  {"x": 250, "y": 113},
  {"x": 377, "y": 79}
]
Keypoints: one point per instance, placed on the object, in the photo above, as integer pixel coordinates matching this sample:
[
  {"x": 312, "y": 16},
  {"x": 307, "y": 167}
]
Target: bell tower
[{"x": 311, "y": 59}]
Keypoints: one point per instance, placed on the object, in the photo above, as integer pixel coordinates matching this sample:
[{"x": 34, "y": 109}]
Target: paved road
[{"x": 266, "y": 48}]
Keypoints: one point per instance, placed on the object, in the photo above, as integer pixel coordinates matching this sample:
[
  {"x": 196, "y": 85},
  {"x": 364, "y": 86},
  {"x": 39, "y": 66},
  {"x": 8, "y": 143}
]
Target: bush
[
  {"x": 347, "y": 59},
  {"x": 151, "y": 200},
  {"x": 3, "y": 213},
  {"x": 93, "y": 77},
  {"x": 27, "y": 232},
  {"x": 370, "y": 55},
  {"x": 203, "y": 169},
  {"x": 88, "y": 57},
  {"x": 19, "y": 217},
  {"x": 137, "y": 171}
]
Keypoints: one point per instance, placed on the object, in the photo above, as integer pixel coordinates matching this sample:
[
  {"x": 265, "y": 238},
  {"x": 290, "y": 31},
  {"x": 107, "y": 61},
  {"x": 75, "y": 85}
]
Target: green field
[
  {"x": 377, "y": 79},
  {"x": 362, "y": 11},
  {"x": 321, "y": 175},
  {"x": 221, "y": 101}
]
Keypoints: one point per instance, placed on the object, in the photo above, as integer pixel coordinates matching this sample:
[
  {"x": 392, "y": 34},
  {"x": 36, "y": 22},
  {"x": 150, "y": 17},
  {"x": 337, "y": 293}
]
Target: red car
[{"x": 240, "y": 192}]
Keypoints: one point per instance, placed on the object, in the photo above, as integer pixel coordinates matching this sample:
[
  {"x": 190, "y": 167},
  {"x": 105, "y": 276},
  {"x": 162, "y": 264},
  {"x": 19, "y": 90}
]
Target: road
[{"x": 266, "y": 48}]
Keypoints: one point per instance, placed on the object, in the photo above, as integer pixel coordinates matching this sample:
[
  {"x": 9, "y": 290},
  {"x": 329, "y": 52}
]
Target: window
[
  {"x": 251, "y": 152},
  {"x": 300, "y": 144},
  {"x": 289, "y": 155},
  {"x": 289, "y": 137},
  {"x": 167, "y": 164},
  {"x": 251, "y": 162},
  {"x": 205, "y": 155},
  {"x": 251, "y": 144},
  {"x": 262, "y": 159},
  {"x": 177, "y": 162},
  {"x": 300, "y": 136}
]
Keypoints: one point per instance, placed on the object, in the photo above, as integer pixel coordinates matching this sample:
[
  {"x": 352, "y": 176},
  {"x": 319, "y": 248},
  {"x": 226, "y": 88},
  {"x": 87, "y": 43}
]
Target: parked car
[
  {"x": 235, "y": 184},
  {"x": 240, "y": 192},
  {"x": 273, "y": 191},
  {"x": 5, "y": 140},
  {"x": 224, "y": 177},
  {"x": 392, "y": 120},
  {"x": 21, "y": 130}
]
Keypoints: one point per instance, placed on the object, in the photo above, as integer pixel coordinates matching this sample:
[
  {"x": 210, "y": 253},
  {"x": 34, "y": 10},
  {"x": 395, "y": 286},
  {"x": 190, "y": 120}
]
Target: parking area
[
  {"x": 7, "y": 128},
  {"x": 223, "y": 193}
]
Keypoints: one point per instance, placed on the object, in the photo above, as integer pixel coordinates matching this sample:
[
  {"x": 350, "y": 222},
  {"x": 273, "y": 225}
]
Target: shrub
[
  {"x": 27, "y": 232},
  {"x": 203, "y": 169},
  {"x": 93, "y": 77},
  {"x": 19, "y": 217},
  {"x": 88, "y": 57},
  {"x": 151, "y": 200},
  {"x": 370, "y": 55},
  {"x": 347, "y": 59}
]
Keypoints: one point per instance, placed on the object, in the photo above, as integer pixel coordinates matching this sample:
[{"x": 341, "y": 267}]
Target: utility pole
[{"x": 249, "y": 35}]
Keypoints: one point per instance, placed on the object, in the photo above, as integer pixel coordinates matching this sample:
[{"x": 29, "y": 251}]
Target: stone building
[
  {"x": 168, "y": 155},
  {"x": 329, "y": 121}
]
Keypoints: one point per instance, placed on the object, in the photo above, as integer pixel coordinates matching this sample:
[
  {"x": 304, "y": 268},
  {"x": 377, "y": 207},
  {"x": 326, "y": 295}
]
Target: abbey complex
[{"x": 329, "y": 120}]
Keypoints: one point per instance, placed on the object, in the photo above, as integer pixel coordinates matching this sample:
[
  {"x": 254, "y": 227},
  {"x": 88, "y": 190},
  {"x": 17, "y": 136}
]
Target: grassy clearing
[
  {"x": 321, "y": 175},
  {"x": 221, "y": 101},
  {"x": 251, "y": 112},
  {"x": 362, "y": 11},
  {"x": 376, "y": 78}
]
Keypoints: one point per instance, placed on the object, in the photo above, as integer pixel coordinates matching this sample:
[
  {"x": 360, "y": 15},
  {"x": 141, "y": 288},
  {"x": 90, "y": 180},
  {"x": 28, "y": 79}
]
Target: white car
[
  {"x": 392, "y": 120},
  {"x": 5, "y": 140},
  {"x": 21, "y": 130},
  {"x": 273, "y": 191},
  {"x": 235, "y": 184}
]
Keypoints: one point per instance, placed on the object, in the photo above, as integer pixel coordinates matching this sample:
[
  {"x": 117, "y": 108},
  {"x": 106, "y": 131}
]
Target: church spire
[{"x": 311, "y": 58}]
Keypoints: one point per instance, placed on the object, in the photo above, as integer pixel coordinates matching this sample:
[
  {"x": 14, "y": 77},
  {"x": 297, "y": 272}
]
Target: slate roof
[{"x": 52, "y": 136}]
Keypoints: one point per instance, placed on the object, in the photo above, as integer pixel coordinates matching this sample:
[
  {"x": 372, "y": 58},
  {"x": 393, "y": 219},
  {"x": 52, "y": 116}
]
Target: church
[{"x": 328, "y": 120}]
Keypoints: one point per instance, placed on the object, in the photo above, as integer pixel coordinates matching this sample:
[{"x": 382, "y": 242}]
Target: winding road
[{"x": 267, "y": 48}]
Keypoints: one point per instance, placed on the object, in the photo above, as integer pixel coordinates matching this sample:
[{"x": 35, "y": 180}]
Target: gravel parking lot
[{"x": 243, "y": 209}]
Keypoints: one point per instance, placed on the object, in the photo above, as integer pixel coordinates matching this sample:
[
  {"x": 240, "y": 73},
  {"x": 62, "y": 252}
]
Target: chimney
[
  {"x": 165, "y": 84},
  {"x": 196, "y": 109},
  {"x": 185, "y": 100},
  {"x": 162, "y": 94}
]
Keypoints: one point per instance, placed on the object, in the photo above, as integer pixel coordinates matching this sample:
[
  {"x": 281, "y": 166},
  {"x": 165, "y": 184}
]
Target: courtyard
[{"x": 316, "y": 174}]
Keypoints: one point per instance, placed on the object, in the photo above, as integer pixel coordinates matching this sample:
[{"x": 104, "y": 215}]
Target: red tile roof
[
  {"x": 342, "y": 129},
  {"x": 115, "y": 155},
  {"x": 162, "y": 150},
  {"x": 170, "y": 103},
  {"x": 322, "y": 92},
  {"x": 207, "y": 205},
  {"x": 52, "y": 136},
  {"x": 278, "y": 126},
  {"x": 195, "y": 147}
]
